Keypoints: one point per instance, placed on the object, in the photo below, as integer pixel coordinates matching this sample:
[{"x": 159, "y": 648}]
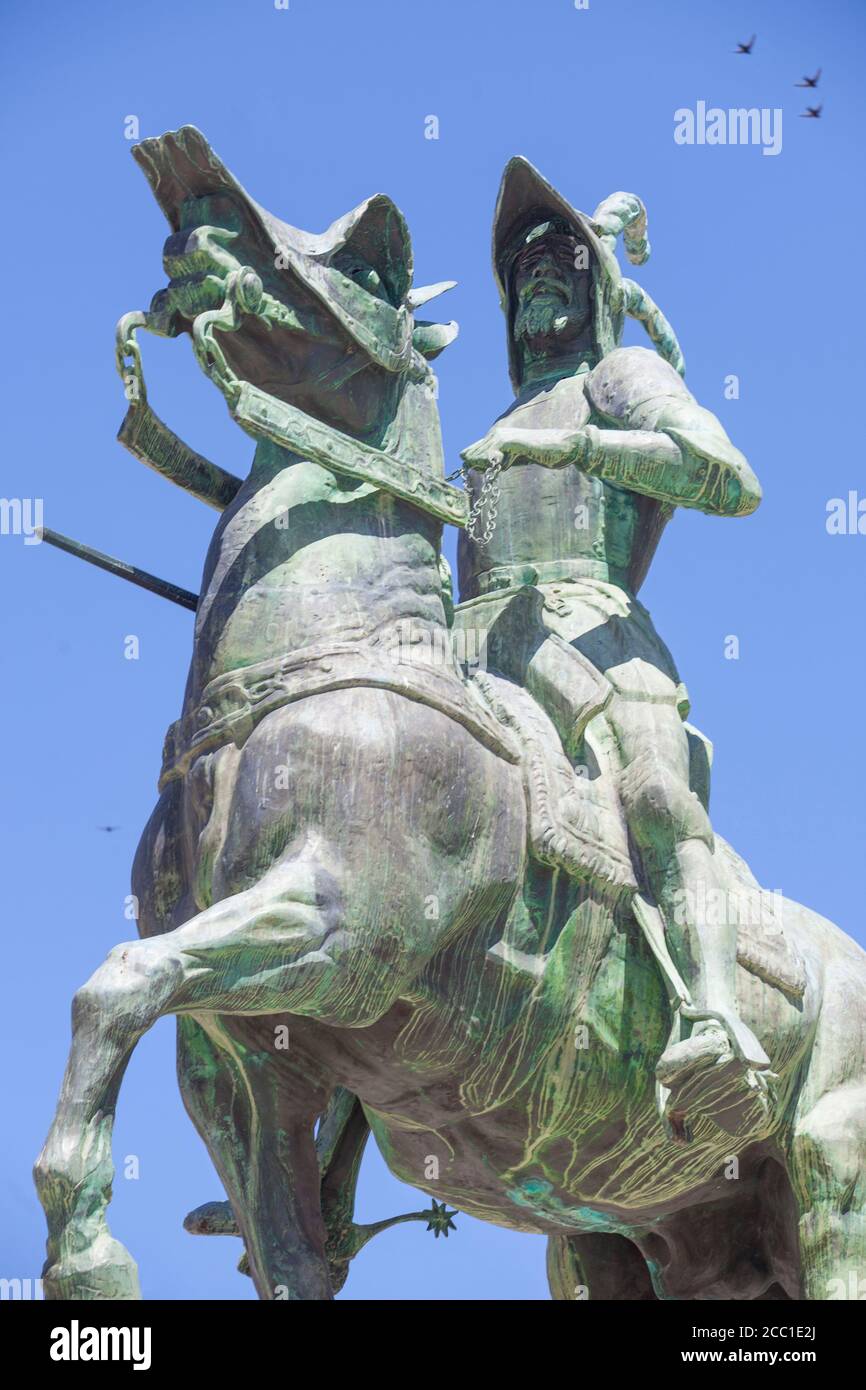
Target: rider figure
[{"x": 609, "y": 441}]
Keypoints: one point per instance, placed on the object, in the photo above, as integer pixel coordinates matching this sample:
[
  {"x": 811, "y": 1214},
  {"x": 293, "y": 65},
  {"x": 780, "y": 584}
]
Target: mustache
[{"x": 546, "y": 281}]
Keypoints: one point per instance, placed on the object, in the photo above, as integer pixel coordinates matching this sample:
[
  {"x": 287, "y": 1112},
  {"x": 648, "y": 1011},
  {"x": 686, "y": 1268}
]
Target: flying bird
[
  {"x": 746, "y": 47},
  {"x": 108, "y": 828},
  {"x": 809, "y": 81},
  {"x": 812, "y": 111}
]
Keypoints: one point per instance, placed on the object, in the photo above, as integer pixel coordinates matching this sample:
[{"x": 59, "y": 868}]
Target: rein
[{"x": 260, "y": 415}]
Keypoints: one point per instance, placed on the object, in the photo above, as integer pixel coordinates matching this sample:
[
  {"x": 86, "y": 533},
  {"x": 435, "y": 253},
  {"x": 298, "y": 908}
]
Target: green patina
[{"x": 459, "y": 904}]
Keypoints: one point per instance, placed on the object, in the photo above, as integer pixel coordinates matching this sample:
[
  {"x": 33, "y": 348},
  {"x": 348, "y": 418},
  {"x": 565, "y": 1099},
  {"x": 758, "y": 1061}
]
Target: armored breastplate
[{"x": 552, "y": 523}]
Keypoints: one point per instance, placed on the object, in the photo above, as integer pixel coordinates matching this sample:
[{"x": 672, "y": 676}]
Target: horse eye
[{"x": 365, "y": 275}]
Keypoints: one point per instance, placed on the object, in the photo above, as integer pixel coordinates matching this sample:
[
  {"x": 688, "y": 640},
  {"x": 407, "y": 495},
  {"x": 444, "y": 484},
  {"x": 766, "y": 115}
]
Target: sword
[{"x": 131, "y": 573}]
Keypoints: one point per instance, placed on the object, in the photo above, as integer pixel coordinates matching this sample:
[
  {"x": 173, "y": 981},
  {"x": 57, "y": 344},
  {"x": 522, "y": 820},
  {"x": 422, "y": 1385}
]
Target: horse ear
[
  {"x": 432, "y": 338},
  {"x": 424, "y": 293},
  {"x": 377, "y": 231}
]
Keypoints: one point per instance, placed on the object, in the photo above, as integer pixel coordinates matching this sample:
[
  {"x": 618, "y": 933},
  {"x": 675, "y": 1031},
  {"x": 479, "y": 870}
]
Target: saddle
[
  {"x": 575, "y": 822},
  {"x": 233, "y": 704}
]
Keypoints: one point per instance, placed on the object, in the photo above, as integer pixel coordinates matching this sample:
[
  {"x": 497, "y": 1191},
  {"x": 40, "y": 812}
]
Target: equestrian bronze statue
[{"x": 445, "y": 873}]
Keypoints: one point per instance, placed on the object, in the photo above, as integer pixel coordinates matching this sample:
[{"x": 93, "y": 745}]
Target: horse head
[{"x": 324, "y": 322}]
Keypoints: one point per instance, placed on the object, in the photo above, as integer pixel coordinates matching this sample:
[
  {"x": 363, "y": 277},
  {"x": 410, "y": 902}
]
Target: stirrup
[{"x": 754, "y": 1078}]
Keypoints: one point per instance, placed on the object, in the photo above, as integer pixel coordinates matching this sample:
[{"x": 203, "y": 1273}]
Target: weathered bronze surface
[{"x": 474, "y": 906}]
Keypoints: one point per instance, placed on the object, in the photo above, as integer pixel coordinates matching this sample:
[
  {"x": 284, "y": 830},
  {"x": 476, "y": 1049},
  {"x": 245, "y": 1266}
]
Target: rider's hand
[
  {"x": 486, "y": 451},
  {"x": 198, "y": 261},
  {"x": 218, "y": 240},
  {"x": 551, "y": 448}
]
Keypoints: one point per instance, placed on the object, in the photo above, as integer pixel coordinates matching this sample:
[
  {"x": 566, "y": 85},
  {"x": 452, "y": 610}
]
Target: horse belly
[{"x": 540, "y": 1113}]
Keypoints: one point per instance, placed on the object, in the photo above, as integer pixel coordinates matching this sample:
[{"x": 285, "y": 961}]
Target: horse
[{"x": 345, "y": 898}]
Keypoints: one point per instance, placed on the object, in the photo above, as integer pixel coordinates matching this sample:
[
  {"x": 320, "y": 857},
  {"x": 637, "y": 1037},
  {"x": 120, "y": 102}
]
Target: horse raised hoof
[
  {"x": 702, "y": 1076},
  {"x": 102, "y": 1271}
]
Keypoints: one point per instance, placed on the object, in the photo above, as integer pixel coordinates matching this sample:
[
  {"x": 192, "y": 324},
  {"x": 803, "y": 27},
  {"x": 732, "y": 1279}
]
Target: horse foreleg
[
  {"x": 74, "y": 1172},
  {"x": 253, "y": 953},
  {"x": 245, "y": 1104}
]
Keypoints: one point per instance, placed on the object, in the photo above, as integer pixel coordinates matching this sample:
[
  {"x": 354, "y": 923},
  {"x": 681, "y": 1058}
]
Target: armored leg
[
  {"x": 714, "y": 1069},
  {"x": 674, "y": 838}
]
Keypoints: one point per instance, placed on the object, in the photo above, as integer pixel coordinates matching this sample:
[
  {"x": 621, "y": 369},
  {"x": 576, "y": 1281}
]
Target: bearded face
[{"x": 552, "y": 286}]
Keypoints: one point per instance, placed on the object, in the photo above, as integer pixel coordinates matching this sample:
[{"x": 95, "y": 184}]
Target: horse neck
[
  {"x": 389, "y": 549},
  {"x": 305, "y": 557}
]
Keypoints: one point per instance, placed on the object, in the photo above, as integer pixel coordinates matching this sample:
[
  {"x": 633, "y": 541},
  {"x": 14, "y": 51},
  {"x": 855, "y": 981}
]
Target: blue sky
[{"x": 315, "y": 108}]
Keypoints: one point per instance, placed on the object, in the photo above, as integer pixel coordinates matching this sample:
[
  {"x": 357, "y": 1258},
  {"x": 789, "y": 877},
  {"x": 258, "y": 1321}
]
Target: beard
[{"x": 544, "y": 319}]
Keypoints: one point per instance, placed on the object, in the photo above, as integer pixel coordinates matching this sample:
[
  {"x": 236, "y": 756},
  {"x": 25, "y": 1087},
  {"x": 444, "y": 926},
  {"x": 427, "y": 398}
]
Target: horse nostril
[{"x": 250, "y": 291}]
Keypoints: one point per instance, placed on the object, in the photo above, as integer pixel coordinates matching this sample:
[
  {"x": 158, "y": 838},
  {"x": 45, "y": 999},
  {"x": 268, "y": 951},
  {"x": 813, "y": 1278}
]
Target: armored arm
[
  {"x": 659, "y": 442},
  {"x": 663, "y": 444}
]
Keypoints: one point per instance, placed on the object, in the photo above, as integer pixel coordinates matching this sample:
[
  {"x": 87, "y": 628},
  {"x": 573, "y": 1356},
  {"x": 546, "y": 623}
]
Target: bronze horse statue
[{"x": 362, "y": 891}]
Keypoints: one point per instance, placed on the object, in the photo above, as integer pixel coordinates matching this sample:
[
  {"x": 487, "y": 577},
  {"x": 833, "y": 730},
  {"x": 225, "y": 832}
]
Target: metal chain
[
  {"x": 488, "y": 497},
  {"x": 128, "y": 357},
  {"x": 242, "y": 296}
]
